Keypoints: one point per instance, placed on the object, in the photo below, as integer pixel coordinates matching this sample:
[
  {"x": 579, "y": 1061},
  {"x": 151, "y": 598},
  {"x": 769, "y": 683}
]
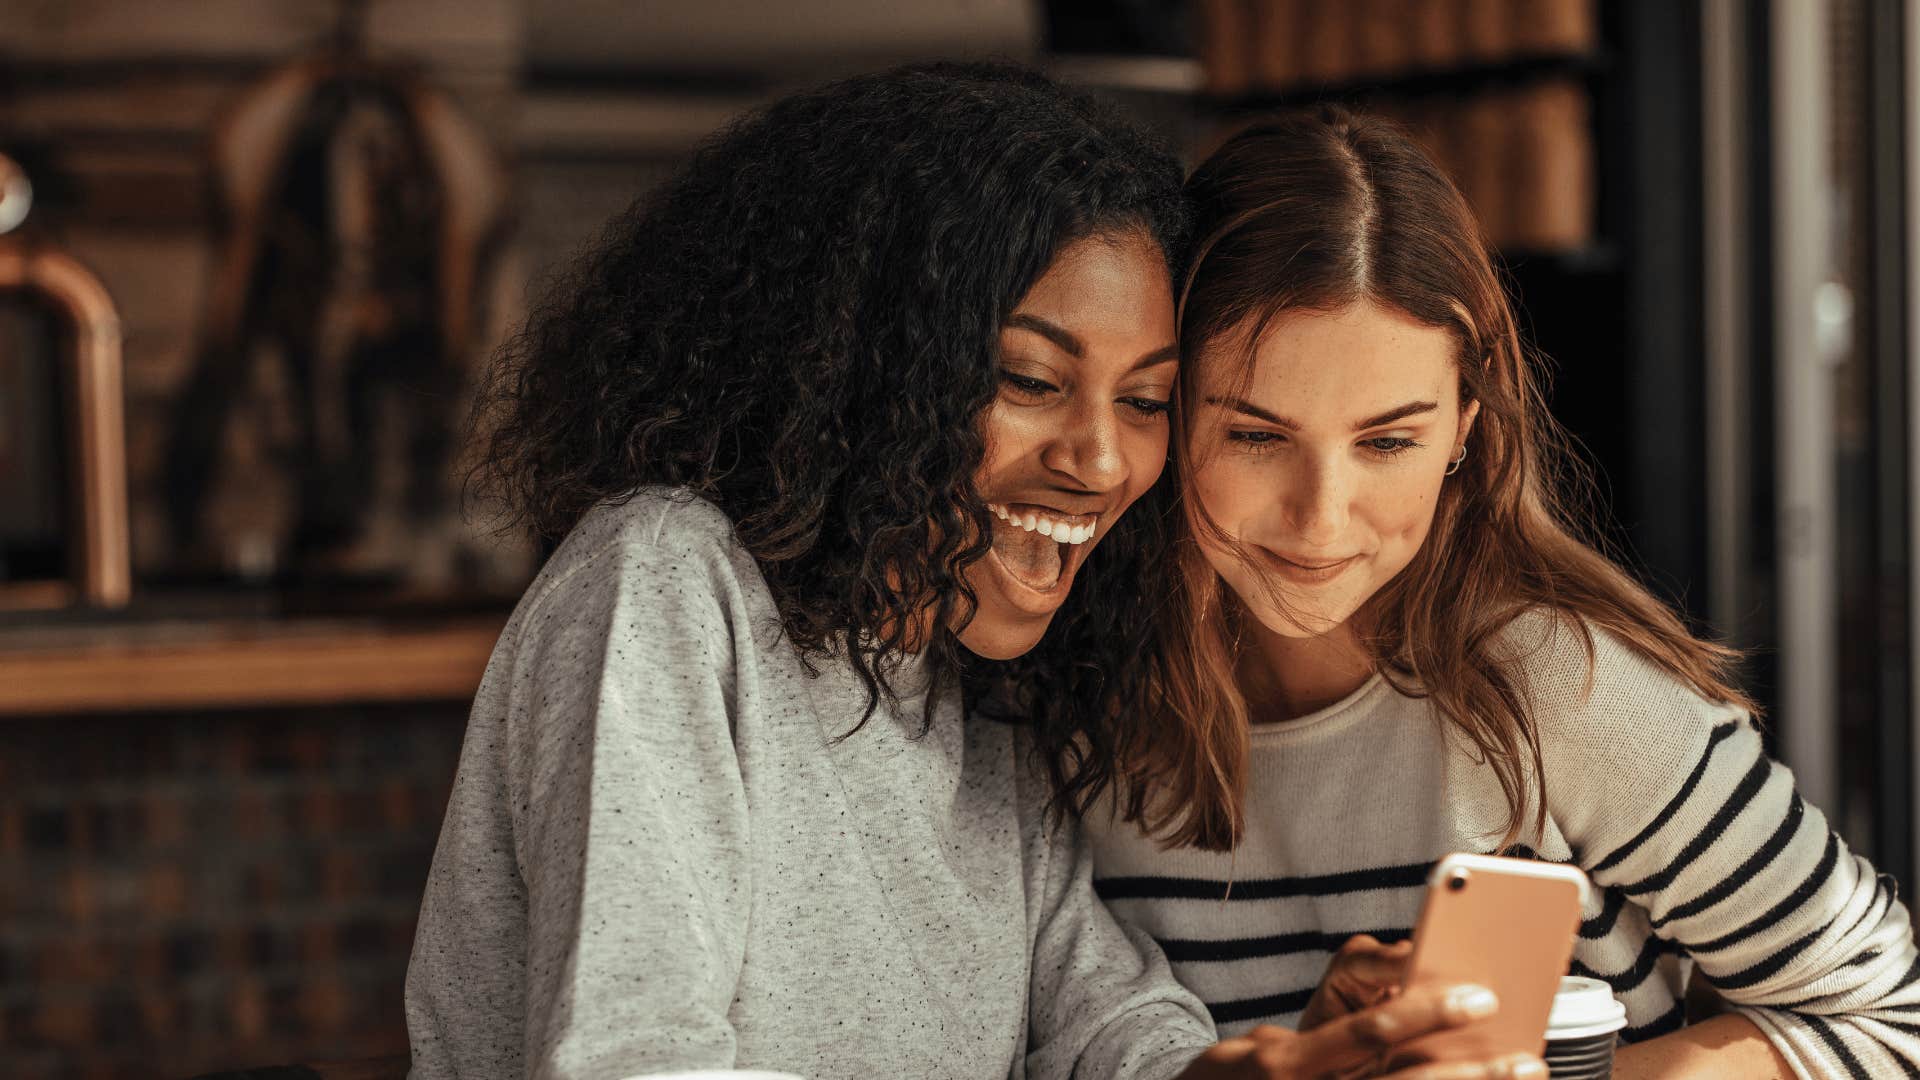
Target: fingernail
[
  {"x": 1529, "y": 1069},
  {"x": 1473, "y": 1002}
]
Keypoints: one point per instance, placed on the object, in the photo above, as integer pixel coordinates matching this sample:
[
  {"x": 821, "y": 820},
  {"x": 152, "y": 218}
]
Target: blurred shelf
[
  {"x": 239, "y": 663},
  {"x": 1503, "y": 74},
  {"x": 616, "y": 123},
  {"x": 1181, "y": 75}
]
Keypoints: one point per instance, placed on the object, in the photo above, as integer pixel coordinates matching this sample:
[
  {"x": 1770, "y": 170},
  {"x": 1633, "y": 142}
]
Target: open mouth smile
[{"x": 1040, "y": 547}]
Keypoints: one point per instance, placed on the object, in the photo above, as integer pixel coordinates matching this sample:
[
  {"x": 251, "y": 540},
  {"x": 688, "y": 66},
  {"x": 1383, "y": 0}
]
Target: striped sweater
[{"x": 1702, "y": 854}]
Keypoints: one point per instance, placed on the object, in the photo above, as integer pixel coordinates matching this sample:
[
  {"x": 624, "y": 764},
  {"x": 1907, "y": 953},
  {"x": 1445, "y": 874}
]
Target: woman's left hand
[{"x": 1362, "y": 974}]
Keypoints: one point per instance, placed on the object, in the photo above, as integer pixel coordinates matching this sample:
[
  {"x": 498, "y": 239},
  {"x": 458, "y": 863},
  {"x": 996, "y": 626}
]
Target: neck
[{"x": 1283, "y": 678}]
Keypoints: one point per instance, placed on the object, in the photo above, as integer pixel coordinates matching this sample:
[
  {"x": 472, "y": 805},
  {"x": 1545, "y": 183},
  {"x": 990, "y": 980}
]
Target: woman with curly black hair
[{"x": 823, "y": 430}]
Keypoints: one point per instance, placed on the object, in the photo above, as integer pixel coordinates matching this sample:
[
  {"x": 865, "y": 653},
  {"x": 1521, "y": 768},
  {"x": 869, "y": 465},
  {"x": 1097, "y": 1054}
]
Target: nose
[
  {"x": 1087, "y": 453},
  {"x": 1317, "y": 502}
]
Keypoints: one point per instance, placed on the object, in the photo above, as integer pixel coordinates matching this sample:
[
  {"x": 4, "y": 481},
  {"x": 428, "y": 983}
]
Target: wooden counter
[{"x": 46, "y": 670}]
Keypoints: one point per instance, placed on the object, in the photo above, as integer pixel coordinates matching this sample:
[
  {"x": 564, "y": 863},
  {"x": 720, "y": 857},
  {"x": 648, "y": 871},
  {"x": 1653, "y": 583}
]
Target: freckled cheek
[{"x": 1221, "y": 494}]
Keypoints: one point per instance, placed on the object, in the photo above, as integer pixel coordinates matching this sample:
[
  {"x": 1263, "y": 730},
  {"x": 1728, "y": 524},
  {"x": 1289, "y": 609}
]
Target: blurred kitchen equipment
[{"x": 63, "y": 469}]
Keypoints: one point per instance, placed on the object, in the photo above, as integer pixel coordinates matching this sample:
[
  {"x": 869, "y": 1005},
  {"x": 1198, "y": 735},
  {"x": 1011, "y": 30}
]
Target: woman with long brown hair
[{"x": 1392, "y": 638}]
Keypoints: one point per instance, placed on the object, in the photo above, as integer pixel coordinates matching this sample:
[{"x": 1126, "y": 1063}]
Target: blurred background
[{"x": 254, "y": 254}]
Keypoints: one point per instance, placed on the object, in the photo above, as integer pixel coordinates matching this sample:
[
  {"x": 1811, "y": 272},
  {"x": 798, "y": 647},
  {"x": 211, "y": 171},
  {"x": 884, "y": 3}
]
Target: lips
[
  {"x": 1305, "y": 570},
  {"x": 1313, "y": 564}
]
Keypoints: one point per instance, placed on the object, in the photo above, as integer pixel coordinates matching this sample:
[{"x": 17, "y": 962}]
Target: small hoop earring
[{"x": 1453, "y": 463}]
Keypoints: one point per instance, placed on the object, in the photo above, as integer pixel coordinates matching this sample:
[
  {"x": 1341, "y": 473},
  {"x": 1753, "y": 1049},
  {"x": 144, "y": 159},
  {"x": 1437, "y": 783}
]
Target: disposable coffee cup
[{"x": 1582, "y": 1030}]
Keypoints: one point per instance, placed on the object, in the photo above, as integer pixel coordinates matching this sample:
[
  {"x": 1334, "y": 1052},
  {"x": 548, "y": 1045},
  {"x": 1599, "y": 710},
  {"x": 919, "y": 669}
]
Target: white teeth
[{"x": 1059, "y": 531}]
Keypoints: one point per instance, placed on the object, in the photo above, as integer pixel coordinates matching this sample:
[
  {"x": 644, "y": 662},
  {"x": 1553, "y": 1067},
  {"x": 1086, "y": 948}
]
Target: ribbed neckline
[{"x": 1353, "y": 705}]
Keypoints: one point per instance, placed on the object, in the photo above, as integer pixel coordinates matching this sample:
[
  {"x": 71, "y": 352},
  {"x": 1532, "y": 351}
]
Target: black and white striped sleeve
[{"x": 1672, "y": 804}]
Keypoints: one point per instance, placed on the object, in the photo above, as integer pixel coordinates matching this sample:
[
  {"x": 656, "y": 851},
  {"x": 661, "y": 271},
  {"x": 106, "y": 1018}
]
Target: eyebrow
[
  {"x": 1074, "y": 347},
  {"x": 1411, "y": 408}
]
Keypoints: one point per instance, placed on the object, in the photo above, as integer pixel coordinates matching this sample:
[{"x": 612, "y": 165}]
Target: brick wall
[{"x": 186, "y": 893}]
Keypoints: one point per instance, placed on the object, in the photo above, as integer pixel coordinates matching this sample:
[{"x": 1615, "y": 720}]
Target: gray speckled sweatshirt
[{"x": 656, "y": 859}]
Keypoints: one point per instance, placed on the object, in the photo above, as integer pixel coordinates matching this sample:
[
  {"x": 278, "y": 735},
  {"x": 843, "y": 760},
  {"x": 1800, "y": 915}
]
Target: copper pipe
[{"x": 96, "y": 375}]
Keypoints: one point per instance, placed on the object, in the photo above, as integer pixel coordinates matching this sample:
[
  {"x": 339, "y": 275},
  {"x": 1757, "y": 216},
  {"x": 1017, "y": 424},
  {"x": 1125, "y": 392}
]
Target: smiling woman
[
  {"x": 720, "y": 806},
  {"x": 1077, "y": 432},
  {"x": 1390, "y": 641},
  {"x": 1311, "y": 513}
]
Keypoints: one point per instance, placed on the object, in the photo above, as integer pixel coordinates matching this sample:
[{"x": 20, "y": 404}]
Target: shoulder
[
  {"x": 1571, "y": 667},
  {"x": 1605, "y": 711},
  {"x": 670, "y": 521},
  {"x": 656, "y": 530},
  {"x": 663, "y": 561}
]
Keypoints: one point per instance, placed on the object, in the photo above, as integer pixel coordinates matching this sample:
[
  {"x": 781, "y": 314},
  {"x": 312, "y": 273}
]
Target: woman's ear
[{"x": 1468, "y": 414}]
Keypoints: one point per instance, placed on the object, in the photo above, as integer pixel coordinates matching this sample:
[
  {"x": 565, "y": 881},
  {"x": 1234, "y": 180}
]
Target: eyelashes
[
  {"x": 1027, "y": 385},
  {"x": 1386, "y": 446},
  {"x": 1033, "y": 390}
]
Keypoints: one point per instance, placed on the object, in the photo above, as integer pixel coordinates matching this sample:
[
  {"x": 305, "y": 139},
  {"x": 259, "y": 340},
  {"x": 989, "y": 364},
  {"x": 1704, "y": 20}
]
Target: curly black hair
[{"x": 801, "y": 327}]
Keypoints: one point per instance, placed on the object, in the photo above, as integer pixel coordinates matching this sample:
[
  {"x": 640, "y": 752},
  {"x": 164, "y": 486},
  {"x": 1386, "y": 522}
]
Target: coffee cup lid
[{"x": 1584, "y": 1008}]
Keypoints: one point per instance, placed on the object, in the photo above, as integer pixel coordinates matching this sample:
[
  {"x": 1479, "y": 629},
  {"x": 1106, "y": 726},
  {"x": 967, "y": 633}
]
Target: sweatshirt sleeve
[
  {"x": 629, "y": 819},
  {"x": 1102, "y": 1001},
  {"x": 1671, "y": 803}
]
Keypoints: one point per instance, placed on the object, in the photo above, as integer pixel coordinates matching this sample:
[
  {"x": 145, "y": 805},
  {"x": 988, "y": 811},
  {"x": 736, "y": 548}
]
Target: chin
[
  {"x": 1299, "y": 624},
  {"x": 1001, "y": 638}
]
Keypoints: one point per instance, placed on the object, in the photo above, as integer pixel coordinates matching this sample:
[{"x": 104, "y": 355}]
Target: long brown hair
[{"x": 1316, "y": 212}]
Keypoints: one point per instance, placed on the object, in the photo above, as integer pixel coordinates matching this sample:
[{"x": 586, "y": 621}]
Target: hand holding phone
[
  {"x": 1505, "y": 924},
  {"x": 1354, "y": 1044},
  {"x": 1362, "y": 974}
]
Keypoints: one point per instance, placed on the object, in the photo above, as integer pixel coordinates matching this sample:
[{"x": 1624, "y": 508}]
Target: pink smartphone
[{"x": 1505, "y": 924}]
